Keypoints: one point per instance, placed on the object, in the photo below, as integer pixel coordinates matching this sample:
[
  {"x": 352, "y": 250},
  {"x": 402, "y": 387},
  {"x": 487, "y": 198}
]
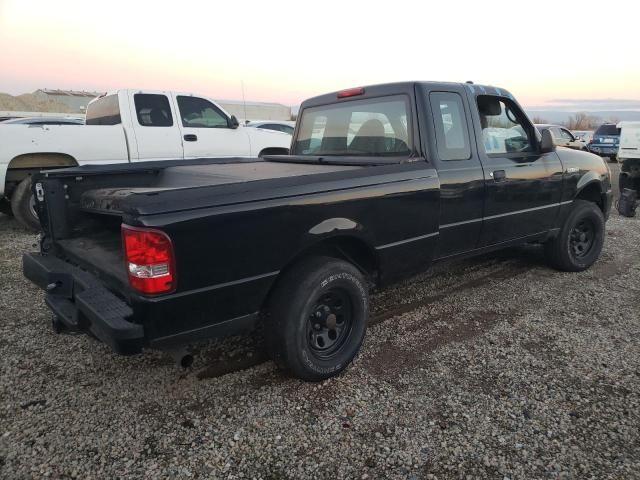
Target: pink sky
[{"x": 286, "y": 51}]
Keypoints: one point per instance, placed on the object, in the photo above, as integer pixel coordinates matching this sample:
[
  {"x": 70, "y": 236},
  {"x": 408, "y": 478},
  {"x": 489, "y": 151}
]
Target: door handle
[
  {"x": 190, "y": 137},
  {"x": 498, "y": 175}
]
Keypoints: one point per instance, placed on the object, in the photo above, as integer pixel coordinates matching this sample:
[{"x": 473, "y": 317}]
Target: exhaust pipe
[{"x": 182, "y": 357}]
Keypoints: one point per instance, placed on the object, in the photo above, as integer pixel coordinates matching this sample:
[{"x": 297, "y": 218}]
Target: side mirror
[
  {"x": 233, "y": 122},
  {"x": 546, "y": 144}
]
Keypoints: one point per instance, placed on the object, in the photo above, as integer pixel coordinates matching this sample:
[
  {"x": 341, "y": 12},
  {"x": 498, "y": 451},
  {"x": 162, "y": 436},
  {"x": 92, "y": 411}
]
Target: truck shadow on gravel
[
  {"x": 9, "y": 224},
  {"x": 224, "y": 356}
]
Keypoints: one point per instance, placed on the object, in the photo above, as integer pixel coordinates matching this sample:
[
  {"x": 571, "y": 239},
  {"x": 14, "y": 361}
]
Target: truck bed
[
  {"x": 101, "y": 254},
  {"x": 162, "y": 187},
  {"x": 85, "y": 225}
]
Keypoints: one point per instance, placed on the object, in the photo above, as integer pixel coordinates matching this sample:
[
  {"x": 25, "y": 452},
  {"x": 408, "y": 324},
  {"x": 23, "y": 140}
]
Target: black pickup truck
[{"x": 380, "y": 182}]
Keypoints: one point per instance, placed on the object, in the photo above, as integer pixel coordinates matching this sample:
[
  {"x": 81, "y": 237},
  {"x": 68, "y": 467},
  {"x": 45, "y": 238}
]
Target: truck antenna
[{"x": 244, "y": 103}]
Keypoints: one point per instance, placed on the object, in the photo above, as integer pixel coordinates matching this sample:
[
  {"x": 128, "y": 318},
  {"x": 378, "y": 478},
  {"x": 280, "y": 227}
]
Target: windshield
[{"x": 373, "y": 127}]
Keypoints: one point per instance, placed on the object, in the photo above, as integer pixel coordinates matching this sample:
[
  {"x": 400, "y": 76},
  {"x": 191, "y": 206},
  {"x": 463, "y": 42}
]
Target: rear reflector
[
  {"x": 351, "y": 92},
  {"x": 150, "y": 260}
]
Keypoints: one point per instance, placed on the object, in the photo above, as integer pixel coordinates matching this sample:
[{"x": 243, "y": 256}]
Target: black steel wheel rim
[
  {"x": 582, "y": 238},
  {"x": 329, "y": 323}
]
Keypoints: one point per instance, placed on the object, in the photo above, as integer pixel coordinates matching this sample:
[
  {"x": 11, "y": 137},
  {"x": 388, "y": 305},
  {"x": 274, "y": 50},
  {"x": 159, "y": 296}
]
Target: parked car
[
  {"x": 277, "y": 125},
  {"x": 606, "y": 141},
  {"x": 160, "y": 254},
  {"x": 562, "y": 137},
  {"x": 125, "y": 126},
  {"x": 44, "y": 121},
  {"x": 629, "y": 156},
  {"x": 583, "y": 135}
]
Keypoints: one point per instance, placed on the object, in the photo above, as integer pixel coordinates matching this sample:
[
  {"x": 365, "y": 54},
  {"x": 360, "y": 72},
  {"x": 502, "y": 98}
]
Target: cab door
[
  {"x": 157, "y": 136},
  {"x": 207, "y": 130},
  {"x": 523, "y": 186},
  {"x": 459, "y": 171}
]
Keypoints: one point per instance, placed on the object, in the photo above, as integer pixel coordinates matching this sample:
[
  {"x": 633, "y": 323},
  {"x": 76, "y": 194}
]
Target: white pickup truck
[{"x": 125, "y": 126}]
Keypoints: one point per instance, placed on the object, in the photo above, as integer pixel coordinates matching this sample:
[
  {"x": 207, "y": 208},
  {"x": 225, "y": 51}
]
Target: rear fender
[
  {"x": 348, "y": 238},
  {"x": 22, "y": 166}
]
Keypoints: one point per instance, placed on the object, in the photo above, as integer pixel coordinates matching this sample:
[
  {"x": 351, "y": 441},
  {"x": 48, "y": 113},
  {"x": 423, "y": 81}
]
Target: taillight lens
[{"x": 149, "y": 260}]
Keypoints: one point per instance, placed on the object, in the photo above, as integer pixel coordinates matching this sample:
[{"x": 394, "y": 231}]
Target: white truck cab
[{"x": 125, "y": 126}]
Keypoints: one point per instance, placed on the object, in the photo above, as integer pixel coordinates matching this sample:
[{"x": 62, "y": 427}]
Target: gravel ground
[{"x": 496, "y": 367}]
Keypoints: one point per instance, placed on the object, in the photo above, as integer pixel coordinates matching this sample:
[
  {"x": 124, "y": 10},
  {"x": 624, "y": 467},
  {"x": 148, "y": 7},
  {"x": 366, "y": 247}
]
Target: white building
[
  {"x": 76, "y": 100},
  {"x": 256, "y": 110}
]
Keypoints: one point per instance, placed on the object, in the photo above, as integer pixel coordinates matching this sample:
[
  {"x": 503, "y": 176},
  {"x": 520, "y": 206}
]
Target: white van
[
  {"x": 629, "y": 140},
  {"x": 629, "y": 156}
]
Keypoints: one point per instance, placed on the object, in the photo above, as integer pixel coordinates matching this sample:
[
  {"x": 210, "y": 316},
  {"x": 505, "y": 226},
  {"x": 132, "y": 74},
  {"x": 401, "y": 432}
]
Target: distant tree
[
  {"x": 581, "y": 121},
  {"x": 498, "y": 122},
  {"x": 539, "y": 120}
]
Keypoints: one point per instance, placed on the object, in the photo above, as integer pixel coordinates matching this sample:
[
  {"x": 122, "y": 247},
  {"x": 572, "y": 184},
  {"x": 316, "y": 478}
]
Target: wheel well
[
  {"x": 350, "y": 249},
  {"x": 273, "y": 151},
  {"x": 41, "y": 160},
  {"x": 22, "y": 166},
  {"x": 592, "y": 193}
]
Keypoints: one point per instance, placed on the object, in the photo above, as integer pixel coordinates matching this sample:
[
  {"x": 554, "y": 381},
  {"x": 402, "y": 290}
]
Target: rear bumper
[
  {"x": 82, "y": 303},
  {"x": 602, "y": 149}
]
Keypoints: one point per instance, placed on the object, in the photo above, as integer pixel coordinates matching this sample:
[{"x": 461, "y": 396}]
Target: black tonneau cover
[{"x": 189, "y": 186}]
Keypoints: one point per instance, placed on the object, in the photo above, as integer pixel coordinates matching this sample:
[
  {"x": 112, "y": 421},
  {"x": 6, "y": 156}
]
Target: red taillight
[
  {"x": 149, "y": 260},
  {"x": 351, "y": 92}
]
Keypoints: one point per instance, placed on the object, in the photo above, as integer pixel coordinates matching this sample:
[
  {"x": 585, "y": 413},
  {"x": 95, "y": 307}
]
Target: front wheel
[
  {"x": 580, "y": 241},
  {"x": 317, "y": 318},
  {"x": 23, "y": 205}
]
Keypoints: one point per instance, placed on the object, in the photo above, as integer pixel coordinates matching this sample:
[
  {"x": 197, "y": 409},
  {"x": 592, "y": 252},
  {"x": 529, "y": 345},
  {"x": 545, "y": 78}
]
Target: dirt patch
[
  {"x": 508, "y": 272},
  {"x": 391, "y": 360},
  {"x": 607, "y": 268},
  {"x": 218, "y": 368}
]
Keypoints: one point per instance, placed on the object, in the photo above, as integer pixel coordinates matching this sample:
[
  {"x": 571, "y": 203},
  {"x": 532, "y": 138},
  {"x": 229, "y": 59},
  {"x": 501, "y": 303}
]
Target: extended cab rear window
[
  {"x": 104, "y": 111},
  {"x": 153, "y": 110},
  {"x": 376, "y": 127}
]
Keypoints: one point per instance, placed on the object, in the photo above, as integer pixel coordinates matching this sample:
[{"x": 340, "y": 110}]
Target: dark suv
[{"x": 606, "y": 141}]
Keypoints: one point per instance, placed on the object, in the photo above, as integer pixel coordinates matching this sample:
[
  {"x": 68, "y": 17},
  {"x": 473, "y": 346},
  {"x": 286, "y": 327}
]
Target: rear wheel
[
  {"x": 317, "y": 318},
  {"x": 23, "y": 205},
  {"x": 580, "y": 241}
]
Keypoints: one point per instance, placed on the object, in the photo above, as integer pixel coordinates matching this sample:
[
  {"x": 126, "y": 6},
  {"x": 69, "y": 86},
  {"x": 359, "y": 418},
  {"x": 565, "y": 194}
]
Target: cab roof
[{"x": 404, "y": 87}]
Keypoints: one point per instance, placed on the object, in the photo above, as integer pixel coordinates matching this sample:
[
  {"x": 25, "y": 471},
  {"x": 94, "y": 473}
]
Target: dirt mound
[{"x": 28, "y": 102}]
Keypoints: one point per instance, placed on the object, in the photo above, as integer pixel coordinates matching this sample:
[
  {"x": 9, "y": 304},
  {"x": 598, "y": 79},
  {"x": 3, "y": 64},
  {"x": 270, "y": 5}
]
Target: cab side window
[
  {"x": 153, "y": 110},
  {"x": 452, "y": 136},
  {"x": 504, "y": 128},
  {"x": 200, "y": 113},
  {"x": 566, "y": 135},
  {"x": 557, "y": 133}
]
